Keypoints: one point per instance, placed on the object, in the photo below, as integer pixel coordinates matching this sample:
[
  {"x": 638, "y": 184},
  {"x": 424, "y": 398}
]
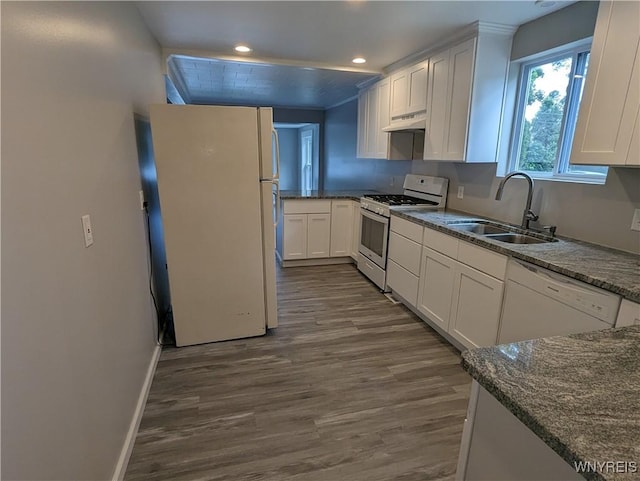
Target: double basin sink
[{"x": 499, "y": 232}]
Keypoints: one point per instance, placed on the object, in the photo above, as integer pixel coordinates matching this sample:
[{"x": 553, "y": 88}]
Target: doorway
[{"x": 299, "y": 155}]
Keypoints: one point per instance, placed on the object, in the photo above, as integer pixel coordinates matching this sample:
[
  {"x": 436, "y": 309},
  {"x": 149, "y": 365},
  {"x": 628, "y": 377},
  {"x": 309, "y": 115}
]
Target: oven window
[{"x": 372, "y": 235}]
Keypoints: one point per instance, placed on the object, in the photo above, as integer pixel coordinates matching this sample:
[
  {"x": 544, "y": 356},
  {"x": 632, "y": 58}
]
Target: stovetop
[{"x": 398, "y": 199}]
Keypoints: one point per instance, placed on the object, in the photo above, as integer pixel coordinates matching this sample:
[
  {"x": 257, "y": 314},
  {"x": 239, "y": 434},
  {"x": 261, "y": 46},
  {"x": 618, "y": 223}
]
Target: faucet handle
[
  {"x": 531, "y": 216},
  {"x": 551, "y": 229}
]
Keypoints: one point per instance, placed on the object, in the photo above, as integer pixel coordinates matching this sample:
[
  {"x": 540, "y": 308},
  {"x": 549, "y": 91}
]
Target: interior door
[{"x": 207, "y": 161}]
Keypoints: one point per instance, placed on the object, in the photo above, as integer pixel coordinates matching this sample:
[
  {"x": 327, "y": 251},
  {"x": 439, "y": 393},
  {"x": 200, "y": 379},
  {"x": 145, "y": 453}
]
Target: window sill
[{"x": 568, "y": 179}]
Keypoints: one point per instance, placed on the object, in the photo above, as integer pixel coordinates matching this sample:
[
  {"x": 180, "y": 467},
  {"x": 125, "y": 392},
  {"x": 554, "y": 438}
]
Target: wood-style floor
[{"x": 348, "y": 387}]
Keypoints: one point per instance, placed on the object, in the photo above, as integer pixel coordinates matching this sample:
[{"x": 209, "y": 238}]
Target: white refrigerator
[{"x": 216, "y": 181}]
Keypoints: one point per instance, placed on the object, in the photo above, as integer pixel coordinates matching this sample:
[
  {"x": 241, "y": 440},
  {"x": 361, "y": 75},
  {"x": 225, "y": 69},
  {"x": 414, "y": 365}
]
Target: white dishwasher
[{"x": 540, "y": 303}]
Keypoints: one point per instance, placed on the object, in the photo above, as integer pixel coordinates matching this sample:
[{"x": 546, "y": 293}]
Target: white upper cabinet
[
  {"x": 465, "y": 97},
  {"x": 363, "y": 124},
  {"x": 382, "y": 119},
  {"x": 607, "y": 128},
  {"x": 373, "y": 116},
  {"x": 409, "y": 92}
]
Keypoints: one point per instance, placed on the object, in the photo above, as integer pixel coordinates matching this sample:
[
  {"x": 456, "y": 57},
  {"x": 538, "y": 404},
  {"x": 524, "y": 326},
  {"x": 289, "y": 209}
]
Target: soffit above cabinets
[{"x": 215, "y": 81}]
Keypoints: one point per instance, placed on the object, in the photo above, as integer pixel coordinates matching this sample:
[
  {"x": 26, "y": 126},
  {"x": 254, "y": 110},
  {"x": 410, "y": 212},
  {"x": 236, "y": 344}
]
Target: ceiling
[{"x": 323, "y": 35}]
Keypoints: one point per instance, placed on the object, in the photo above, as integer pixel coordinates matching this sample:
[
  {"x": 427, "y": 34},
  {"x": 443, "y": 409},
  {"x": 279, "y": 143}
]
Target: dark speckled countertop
[
  {"x": 610, "y": 269},
  {"x": 580, "y": 393},
  {"x": 324, "y": 194}
]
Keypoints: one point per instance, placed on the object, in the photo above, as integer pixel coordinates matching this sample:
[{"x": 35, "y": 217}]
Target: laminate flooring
[{"x": 349, "y": 387}]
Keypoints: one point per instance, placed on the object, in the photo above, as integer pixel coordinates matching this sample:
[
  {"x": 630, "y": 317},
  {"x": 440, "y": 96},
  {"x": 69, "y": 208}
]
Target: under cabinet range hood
[{"x": 412, "y": 124}]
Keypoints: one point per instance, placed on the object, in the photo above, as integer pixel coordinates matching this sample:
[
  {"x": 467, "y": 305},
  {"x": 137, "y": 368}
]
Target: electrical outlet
[
  {"x": 635, "y": 223},
  {"x": 87, "y": 230},
  {"x": 141, "y": 196},
  {"x": 392, "y": 181},
  {"x": 461, "y": 192}
]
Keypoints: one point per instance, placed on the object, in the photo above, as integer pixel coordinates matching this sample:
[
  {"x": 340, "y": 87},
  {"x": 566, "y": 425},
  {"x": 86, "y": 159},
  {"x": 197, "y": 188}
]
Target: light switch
[
  {"x": 460, "y": 191},
  {"x": 88, "y": 231},
  {"x": 635, "y": 223},
  {"x": 141, "y": 196}
]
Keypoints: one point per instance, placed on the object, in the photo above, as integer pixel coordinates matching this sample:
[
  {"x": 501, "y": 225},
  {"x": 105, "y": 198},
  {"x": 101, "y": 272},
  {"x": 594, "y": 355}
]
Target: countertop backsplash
[{"x": 600, "y": 214}]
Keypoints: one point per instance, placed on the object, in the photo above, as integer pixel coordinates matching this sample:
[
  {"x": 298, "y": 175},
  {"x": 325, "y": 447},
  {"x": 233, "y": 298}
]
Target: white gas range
[{"x": 420, "y": 191}]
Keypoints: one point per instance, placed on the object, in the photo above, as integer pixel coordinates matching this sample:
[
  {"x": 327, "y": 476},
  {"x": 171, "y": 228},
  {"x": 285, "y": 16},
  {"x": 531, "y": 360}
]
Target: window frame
[{"x": 561, "y": 163}]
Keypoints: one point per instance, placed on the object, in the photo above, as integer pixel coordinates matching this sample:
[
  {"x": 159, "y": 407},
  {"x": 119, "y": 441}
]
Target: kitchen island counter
[{"x": 578, "y": 393}]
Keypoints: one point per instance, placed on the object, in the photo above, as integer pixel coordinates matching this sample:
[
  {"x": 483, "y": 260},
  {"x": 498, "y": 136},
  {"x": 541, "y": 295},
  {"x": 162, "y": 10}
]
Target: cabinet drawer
[
  {"x": 405, "y": 252},
  {"x": 440, "y": 242},
  {"x": 307, "y": 206},
  {"x": 482, "y": 259},
  {"x": 403, "y": 282},
  {"x": 406, "y": 228}
]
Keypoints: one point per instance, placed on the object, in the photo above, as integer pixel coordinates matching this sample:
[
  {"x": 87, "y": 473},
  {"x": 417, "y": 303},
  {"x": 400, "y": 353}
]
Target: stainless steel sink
[
  {"x": 498, "y": 232},
  {"x": 480, "y": 228},
  {"x": 513, "y": 238}
]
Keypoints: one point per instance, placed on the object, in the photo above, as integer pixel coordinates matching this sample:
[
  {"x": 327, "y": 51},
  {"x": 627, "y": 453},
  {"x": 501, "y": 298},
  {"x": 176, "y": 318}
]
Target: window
[{"x": 549, "y": 98}]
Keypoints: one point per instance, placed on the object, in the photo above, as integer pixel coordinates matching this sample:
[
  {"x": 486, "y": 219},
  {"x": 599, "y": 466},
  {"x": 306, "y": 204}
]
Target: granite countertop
[
  {"x": 324, "y": 194},
  {"x": 580, "y": 393},
  {"x": 610, "y": 269}
]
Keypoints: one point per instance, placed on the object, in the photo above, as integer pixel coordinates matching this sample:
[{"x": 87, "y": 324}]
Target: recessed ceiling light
[
  {"x": 545, "y": 3},
  {"x": 243, "y": 49},
  {"x": 359, "y": 60}
]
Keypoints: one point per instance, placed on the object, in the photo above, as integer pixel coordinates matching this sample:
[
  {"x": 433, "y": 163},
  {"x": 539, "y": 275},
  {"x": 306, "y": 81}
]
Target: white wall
[
  {"x": 77, "y": 324},
  {"x": 342, "y": 169},
  {"x": 289, "y": 158},
  {"x": 577, "y": 21},
  {"x": 595, "y": 213}
]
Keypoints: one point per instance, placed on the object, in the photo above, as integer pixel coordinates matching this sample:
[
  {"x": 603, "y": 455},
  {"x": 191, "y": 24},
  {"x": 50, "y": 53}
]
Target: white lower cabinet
[
  {"x": 294, "y": 236},
  {"x": 341, "y": 228},
  {"x": 402, "y": 282},
  {"x": 476, "y": 304},
  {"x": 355, "y": 235},
  {"x": 316, "y": 229},
  {"x": 458, "y": 297},
  {"x": 318, "y": 235},
  {"x": 403, "y": 264},
  {"x": 435, "y": 288}
]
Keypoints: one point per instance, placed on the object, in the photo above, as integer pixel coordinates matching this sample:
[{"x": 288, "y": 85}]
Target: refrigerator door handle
[
  {"x": 277, "y": 184},
  {"x": 276, "y": 174}
]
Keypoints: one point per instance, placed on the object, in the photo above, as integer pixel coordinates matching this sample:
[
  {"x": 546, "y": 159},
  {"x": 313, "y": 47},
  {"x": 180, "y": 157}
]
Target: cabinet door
[
  {"x": 318, "y": 235},
  {"x": 435, "y": 288},
  {"x": 341, "y": 228},
  {"x": 405, "y": 252},
  {"x": 399, "y": 94},
  {"x": 477, "y": 300},
  {"x": 402, "y": 282},
  {"x": 417, "y": 85},
  {"x": 436, "y": 106},
  {"x": 609, "y": 106},
  {"x": 355, "y": 238},
  {"x": 460, "y": 81},
  {"x": 363, "y": 125},
  {"x": 294, "y": 236},
  {"x": 372, "y": 122},
  {"x": 383, "y": 119}
]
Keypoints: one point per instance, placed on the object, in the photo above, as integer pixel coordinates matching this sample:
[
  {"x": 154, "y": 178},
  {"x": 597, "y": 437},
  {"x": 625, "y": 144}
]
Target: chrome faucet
[{"x": 528, "y": 215}]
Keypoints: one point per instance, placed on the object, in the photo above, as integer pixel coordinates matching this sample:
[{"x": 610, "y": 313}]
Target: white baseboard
[
  {"x": 322, "y": 261},
  {"x": 129, "y": 441}
]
